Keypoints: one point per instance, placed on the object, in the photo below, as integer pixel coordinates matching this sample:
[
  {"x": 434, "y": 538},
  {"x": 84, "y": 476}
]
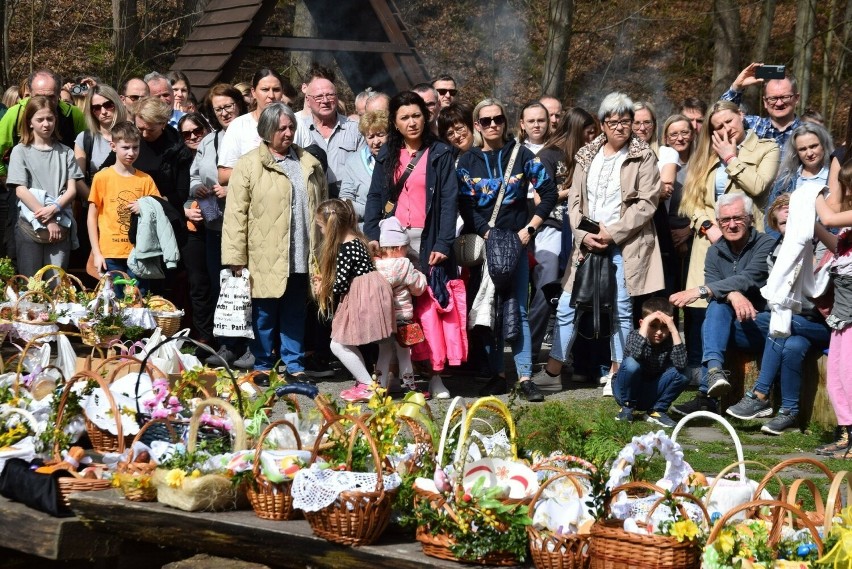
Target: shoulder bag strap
[
  {"x": 397, "y": 189},
  {"x": 504, "y": 183}
]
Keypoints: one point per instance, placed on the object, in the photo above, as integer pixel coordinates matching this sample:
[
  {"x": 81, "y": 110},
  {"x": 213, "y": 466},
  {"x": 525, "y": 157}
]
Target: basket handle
[
  {"x": 446, "y": 430},
  {"x": 738, "y": 446},
  {"x": 198, "y": 344},
  {"x": 551, "y": 463},
  {"x": 741, "y": 464},
  {"x": 172, "y": 434},
  {"x": 834, "y": 499},
  {"x": 493, "y": 404},
  {"x": 259, "y": 447},
  {"x": 35, "y": 293},
  {"x": 792, "y": 462},
  {"x": 639, "y": 484},
  {"x": 817, "y": 496},
  {"x": 571, "y": 476},
  {"x": 358, "y": 425},
  {"x": 239, "y": 430},
  {"x": 775, "y": 532},
  {"x": 42, "y": 271},
  {"x": 23, "y": 413},
  {"x": 63, "y": 402}
]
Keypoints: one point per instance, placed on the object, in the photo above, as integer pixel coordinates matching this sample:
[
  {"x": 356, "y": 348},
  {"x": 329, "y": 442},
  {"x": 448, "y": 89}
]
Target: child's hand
[
  {"x": 202, "y": 192},
  {"x": 220, "y": 191},
  {"x": 54, "y": 231},
  {"x": 46, "y": 213},
  {"x": 193, "y": 214},
  {"x": 134, "y": 207},
  {"x": 100, "y": 263}
]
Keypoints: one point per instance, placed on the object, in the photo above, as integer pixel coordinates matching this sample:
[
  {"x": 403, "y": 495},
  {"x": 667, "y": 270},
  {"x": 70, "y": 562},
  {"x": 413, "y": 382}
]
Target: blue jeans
[
  {"x": 285, "y": 318},
  {"x": 564, "y": 330},
  {"x": 636, "y": 389},
  {"x": 784, "y": 356},
  {"x": 721, "y": 327},
  {"x": 522, "y": 344}
]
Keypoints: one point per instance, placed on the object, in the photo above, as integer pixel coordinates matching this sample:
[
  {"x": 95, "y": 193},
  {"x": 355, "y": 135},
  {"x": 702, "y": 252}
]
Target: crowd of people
[{"x": 672, "y": 244}]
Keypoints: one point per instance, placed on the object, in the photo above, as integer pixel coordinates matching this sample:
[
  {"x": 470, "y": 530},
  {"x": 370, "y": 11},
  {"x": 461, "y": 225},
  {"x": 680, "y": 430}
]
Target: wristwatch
[
  {"x": 705, "y": 227},
  {"x": 531, "y": 230},
  {"x": 703, "y": 291}
]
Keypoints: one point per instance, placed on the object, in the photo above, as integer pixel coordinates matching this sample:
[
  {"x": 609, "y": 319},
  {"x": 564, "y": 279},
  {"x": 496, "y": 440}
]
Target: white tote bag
[{"x": 232, "y": 318}]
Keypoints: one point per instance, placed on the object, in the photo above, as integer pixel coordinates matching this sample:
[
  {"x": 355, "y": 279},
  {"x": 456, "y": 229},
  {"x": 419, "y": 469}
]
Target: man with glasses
[
  {"x": 335, "y": 133},
  {"x": 133, "y": 90},
  {"x": 445, "y": 85},
  {"x": 780, "y": 97},
  {"x": 430, "y": 97},
  {"x": 70, "y": 122},
  {"x": 734, "y": 271}
]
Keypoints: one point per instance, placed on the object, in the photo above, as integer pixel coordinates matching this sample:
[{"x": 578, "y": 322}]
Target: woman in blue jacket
[
  {"x": 481, "y": 172},
  {"x": 425, "y": 203}
]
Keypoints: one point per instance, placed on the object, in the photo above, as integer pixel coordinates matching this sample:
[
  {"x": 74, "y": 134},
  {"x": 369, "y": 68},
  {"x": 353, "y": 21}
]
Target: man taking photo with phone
[{"x": 780, "y": 97}]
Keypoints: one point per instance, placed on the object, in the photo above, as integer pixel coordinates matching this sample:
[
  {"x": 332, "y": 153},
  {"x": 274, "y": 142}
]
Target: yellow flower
[
  {"x": 175, "y": 477},
  {"x": 683, "y": 530},
  {"x": 195, "y": 473},
  {"x": 726, "y": 542}
]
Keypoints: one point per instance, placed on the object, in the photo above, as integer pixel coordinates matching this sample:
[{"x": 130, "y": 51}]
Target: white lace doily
[
  {"x": 314, "y": 489},
  {"x": 27, "y": 332}
]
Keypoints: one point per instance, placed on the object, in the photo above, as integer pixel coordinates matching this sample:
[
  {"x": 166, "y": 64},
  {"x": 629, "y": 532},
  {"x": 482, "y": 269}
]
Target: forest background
[{"x": 578, "y": 50}]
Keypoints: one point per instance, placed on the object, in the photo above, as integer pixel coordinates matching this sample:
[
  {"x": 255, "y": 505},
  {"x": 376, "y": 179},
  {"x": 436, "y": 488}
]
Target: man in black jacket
[{"x": 734, "y": 271}]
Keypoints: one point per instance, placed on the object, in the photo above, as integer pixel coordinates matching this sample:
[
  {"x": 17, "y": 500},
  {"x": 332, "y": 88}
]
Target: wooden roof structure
[{"x": 378, "y": 53}]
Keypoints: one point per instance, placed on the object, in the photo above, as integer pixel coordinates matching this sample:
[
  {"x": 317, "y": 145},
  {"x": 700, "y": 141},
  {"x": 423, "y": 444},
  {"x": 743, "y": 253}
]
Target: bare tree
[
  {"x": 839, "y": 67},
  {"x": 764, "y": 30},
  {"x": 125, "y": 25},
  {"x": 803, "y": 48},
  {"x": 193, "y": 10},
  {"x": 726, "y": 36},
  {"x": 303, "y": 26},
  {"x": 560, "y": 16}
]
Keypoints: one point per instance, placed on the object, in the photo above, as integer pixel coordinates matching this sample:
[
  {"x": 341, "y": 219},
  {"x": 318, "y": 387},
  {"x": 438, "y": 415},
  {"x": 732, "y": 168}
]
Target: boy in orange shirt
[{"x": 112, "y": 200}]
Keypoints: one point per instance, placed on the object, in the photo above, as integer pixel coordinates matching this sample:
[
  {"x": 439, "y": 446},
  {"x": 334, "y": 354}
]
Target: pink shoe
[{"x": 361, "y": 392}]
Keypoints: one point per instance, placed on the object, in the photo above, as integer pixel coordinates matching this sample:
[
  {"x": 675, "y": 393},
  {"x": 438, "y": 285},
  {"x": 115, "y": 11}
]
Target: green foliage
[
  {"x": 7, "y": 268},
  {"x": 134, "y": 333}
]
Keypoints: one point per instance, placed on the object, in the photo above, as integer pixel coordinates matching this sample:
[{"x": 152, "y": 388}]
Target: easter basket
[
  {"x": 271, "y": 500},
  {"x": 474, "y": 492}
]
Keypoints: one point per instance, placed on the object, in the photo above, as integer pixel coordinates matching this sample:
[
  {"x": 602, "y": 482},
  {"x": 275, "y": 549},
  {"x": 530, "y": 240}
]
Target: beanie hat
[{"x": 391, "y": 233}]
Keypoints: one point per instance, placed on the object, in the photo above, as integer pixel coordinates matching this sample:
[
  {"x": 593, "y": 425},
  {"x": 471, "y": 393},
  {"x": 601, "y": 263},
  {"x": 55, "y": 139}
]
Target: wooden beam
[
  {"x": 210, "y": 47},
  {"x": 321, "y": 44}
]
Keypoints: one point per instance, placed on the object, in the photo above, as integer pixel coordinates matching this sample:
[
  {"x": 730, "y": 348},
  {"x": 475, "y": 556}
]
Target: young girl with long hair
[
  {"x": 350, "y": 288},
  {"x": 42, "y": 173}
]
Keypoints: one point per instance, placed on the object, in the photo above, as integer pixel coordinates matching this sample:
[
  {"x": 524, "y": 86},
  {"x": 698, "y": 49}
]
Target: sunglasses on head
[
  {"x": 106, "y": 105},
  {"x": 445, "y": 92},
  {"x": 187, "y": 134},
  {"x": 485, "y": 122}
]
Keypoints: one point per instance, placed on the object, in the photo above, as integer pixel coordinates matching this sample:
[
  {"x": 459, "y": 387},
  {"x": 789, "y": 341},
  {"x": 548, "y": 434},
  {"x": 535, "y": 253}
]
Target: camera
[
  {"x": 770, "y": 72},
  {"x": 80, "y": 89}
]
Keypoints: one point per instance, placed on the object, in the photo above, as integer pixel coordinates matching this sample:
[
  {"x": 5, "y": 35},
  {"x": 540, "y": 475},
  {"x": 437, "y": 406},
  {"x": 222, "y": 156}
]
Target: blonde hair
[
  {"x": 340, "y": 221},
  {"x": 701, "y": 162},
  {"x": 152, "y": 110},
  {"x": 119, "y": 114},
  {"x": 771, "y": 219}
]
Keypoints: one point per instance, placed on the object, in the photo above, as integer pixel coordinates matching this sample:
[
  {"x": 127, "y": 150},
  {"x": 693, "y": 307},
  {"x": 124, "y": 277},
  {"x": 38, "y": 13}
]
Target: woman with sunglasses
[
  {"x": 616, "y": 185},
  {"x": 223, "y": 103},
  {"x": 424, "y": 201},
  {"x": 482, "y": 172},
  {"x": 103, "y": 110}
]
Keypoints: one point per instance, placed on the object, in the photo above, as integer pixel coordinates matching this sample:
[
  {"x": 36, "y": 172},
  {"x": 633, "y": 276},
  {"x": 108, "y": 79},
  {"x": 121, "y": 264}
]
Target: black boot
[{"x": 496, "y": 386}]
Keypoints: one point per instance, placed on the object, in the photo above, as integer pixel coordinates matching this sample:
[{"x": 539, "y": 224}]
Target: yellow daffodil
[
  {"x": 174, "y": 477},
  {"x": 195, "y": 473},
  {"x": 684, "y": 530},
  {"x": 726, "y": 542}
]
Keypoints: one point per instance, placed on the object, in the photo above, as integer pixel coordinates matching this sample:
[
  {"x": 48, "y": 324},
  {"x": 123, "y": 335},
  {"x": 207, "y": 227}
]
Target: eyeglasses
[
  {"x": 106, "y": 105},
  {"x": 456, "y": 130},
  {"x": 783, "y": 98},
  {"x": 625, "y": 123},
  {"x": 686, "y": 134},
  {"x": 642, "y": 124},
  {"x": 133, "y": 98},
  {"x": 188, "y": 134},
  {"x": 445, "y": 92},
  {"x": 735, "y": 220},
  {"x": 224, "y": 109},
  {"x": 322, "y": 97},
  {"x": 485, "y": 122}
]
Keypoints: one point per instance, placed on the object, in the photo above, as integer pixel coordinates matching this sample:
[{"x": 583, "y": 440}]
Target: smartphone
[{"x": 769, "y": 72}]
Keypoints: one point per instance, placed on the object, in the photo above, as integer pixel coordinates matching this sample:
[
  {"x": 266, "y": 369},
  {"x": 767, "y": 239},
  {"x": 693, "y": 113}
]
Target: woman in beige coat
[
  {"x": 617, "y": 184},
  {"x": 727, "y": 159},
  {"x": 269, "y": 227}
]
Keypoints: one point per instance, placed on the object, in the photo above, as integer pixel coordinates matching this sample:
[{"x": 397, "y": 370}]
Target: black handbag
[{"x": 593, "y": 296}]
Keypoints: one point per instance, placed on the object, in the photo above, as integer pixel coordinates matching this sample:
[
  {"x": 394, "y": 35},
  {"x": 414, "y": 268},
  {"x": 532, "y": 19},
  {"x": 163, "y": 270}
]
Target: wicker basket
[
  {"x": 165, "y": 314},
  {"x": 27, "y": 328},
  {"x": 559, "y": 551},
  {"x": 356, "y": 517},
  {"x": 211, "y": 492},
  {"x": 69, "y": 485},
  {"x": 438, "y": 544},
  {"x": 270, "y": 500},
  {"x": 64, "y": 286},
  {"x": 611, "y": 547},
  {"x": 791, "y": 497},
  {"x": 142, "y": 468},
  {"x": 102, "y": 440}
]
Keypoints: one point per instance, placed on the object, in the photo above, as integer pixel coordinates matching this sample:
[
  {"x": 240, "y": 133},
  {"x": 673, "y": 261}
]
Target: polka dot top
[{"x": 353, "y": 260}]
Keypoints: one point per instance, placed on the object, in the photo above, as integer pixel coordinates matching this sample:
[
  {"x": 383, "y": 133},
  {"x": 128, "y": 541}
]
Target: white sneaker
[
  {"x": 437, "y": 390},
  {"x": 607, "y": 388},
  {"x": 604, "y": 379}
]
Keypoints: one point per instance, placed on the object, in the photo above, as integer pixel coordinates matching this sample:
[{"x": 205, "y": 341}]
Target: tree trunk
[
  {"x": 761, "y": 44},
  {"x": 303, "y": 27},
  {"x": 192, "y": 10},
  {"x": 726, "y": 36},
  {"x": 4, "y": 44},
  {"x": 125, "y": 27},
  {"x": 803, "y": 49},
  {"x": 840, "y": 65},
  {"x": 826, "y": 62},
  {"x": 560, "y": 15}
]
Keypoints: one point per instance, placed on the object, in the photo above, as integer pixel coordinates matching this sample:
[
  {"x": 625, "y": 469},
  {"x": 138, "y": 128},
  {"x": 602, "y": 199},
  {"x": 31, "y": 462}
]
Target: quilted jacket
[{"x": 256, "y": 228}]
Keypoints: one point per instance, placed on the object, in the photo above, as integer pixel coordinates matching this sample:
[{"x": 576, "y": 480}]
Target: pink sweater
[{"x": 405, "y": 281}]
